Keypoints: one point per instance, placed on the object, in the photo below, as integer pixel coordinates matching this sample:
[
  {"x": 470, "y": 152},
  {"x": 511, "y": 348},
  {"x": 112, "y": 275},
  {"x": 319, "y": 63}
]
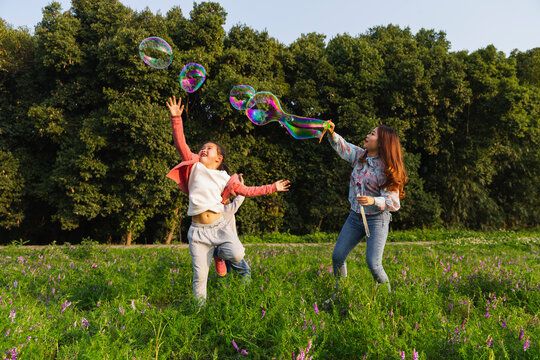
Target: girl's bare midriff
[{"x": 206, "y": 217}]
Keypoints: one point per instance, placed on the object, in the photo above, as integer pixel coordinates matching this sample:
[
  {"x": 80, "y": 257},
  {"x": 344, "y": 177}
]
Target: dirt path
[{"x": 185, "y": 246}]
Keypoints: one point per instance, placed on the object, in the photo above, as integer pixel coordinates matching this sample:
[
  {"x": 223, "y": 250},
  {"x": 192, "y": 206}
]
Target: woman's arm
[
  {"x": 389, "y": 200},
  {"x": 347, "y": 151}
]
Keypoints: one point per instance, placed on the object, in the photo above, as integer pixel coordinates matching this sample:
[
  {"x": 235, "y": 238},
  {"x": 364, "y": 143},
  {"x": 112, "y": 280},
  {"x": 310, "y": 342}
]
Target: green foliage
[{"x": 86, "y": 134}]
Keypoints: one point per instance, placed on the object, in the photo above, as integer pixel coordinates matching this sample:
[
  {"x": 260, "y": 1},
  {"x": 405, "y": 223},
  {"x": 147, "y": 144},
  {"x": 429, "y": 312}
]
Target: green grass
[
  {"x": 415, "y": 235},
  {"x": 467, "y": 298}
]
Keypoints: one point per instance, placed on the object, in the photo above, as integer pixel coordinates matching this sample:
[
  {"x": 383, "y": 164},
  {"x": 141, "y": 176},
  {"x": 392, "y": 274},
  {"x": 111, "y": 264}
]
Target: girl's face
[
  {"x": 209, "y": 157},
  {"x": 371, "y": 144}
]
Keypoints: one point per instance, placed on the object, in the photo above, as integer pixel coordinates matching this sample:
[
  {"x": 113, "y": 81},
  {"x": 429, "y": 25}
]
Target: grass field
[{"x": 467, "y": 298}]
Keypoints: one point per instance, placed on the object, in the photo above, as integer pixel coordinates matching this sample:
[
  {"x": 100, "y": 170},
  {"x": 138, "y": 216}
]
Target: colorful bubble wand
[{"x": 244, "y": 97}]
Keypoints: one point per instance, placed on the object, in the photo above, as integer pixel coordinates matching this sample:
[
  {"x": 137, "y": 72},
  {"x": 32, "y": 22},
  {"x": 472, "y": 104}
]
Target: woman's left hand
[{"x": 365, "y": 200}]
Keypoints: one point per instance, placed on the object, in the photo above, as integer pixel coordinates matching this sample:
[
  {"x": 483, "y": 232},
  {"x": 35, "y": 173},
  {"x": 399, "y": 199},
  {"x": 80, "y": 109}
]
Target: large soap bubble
[
  {"x": 155, "y": 52},
  {"x": 240, "y": 95},
  {"x": 192, "y": 77}
]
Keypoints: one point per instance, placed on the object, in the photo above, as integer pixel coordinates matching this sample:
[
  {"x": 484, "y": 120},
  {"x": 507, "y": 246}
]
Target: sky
[{"x": 468, "y": 24}]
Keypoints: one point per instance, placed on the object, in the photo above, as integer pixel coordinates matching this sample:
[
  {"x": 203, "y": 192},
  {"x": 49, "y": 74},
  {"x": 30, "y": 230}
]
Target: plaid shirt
[{"x": 366, "y": 178}]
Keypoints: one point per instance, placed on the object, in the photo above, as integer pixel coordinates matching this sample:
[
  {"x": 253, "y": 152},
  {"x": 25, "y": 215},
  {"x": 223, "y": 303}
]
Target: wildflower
[
  {"x": 490, "y": 339},
  {"x": 121, "y": 310},
  {"x": 526, "y": 344},
  {"x": 235, "y": 346},
  {"x": 65, "y": 305},
  {"x": 263, "y": 313},
  {"x": 7, "y": 332},
  {"x": 12, "y": 314},
  {"x": 414, "y": 354},
  {"x": 521, "y": 333},
  {"x": 243, "y": 352},
  {"x": 15, "y": 284},
  {"x": 316, "y": 309},
  {"x": 75, "y": 324},
  {"x": 85, "y": 322},
  {"x": 133, "y": 304},
  {"x": 402, "y": 354}
]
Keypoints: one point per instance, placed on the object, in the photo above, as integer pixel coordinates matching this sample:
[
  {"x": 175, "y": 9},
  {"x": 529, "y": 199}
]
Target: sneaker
[{"x": 221, "y": 268}]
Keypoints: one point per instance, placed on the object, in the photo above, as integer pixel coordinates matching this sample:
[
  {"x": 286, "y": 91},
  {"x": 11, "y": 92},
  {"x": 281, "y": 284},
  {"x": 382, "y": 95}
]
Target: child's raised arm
[{"x": 176, "y": 110}]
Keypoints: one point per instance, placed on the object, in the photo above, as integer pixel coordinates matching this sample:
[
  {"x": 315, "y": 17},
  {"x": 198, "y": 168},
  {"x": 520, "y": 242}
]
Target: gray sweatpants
[{"x": 202, "y": 240}]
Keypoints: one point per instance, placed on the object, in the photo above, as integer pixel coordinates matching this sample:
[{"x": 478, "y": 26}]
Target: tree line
[{"x": 85, "y": 138}]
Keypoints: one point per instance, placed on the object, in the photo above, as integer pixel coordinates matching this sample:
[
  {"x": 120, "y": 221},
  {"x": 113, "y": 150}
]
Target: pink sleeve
[
  {"x": 235, "y": 187},
  {"x": 179, "y": 138}
]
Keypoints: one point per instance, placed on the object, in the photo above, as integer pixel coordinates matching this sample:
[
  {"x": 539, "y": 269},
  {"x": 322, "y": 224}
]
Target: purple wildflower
[
  {"x": 133, "y": 304},
  {"x": 521, "y": 333},
  {"x": 121, "y": 310},
  {"x": 85, "y": 322},
  {"x": 65, "y": 305},
  {"x": 243, "y": 352},
  {"x": 235, "y": 346},
  {"x": 489, "y": 341},
  {"x": 414, "y": 354},
  {"x": 316, "y": 309},
  {"x": 402, "y": 354},
  {"x": 263, "y": 313},
  {"x": 12, "y": 314},
  {"x": 526, "y": 344}
]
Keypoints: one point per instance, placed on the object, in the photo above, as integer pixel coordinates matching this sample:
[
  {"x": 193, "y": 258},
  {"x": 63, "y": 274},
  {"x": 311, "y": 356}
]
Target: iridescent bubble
[
  {"x": 192, "y": 77},
  {"x": 240, "y": 95},
  {"x": 299, "y": 127},
  {"x": 155, "y": 52}
]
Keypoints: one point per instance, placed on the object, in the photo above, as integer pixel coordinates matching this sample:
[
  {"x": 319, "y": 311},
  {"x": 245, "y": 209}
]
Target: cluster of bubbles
[
  {"x": 157, "y": 53},
  {"x": 245, "y": 98},
  {"x": 260, "y": 107}
]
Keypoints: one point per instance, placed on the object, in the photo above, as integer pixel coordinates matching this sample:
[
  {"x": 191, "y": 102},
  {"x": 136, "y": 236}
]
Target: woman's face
[
  {"x": 209, "y": 157},
  {"x": 371, "y": 144}
]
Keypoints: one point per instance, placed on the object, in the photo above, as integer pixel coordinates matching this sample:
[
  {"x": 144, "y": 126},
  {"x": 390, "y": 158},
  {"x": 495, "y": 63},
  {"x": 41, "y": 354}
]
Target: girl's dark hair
[{"x": 221, "y": 151}]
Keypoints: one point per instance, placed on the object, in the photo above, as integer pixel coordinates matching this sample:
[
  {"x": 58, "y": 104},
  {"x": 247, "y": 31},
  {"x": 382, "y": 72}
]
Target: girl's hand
[
  {"x": 365, "y": 200},
  {"x": 283, "y": 185},
  {"x": 241, "y": 177},
  {"x": 174, "y": 107}
]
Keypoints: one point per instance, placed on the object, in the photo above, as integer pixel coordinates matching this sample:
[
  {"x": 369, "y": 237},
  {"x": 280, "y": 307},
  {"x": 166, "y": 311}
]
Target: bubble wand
[{"x": 362, "y": 193}]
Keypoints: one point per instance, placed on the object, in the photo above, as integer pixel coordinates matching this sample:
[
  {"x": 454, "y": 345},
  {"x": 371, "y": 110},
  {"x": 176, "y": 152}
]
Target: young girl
[
  {"x": 377, "y": 182},
  {"x": 204, "y": 178}
]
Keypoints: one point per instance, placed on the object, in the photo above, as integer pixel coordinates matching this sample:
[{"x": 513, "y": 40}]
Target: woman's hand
[
  {"x": 283, "y": 185},
  {"x": 174, "y": 107},
  {"x": 331, "y": 127},
  {"x": 241, "y": 177},
  {"x": 365, "y": 200}
]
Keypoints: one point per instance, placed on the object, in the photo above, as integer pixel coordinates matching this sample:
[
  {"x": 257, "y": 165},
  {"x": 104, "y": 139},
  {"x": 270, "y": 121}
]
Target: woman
[{"x": 376, "y": 184}]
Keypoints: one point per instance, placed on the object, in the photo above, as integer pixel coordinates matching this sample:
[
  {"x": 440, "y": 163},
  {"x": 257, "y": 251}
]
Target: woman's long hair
[{"x": 389, "y": 149}]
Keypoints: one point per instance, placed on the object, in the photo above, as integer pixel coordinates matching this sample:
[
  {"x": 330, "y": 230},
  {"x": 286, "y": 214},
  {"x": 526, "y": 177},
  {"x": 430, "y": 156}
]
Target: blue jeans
[
  {"x": 241, "y": 267},
  {"x": 352, "y": 232}
]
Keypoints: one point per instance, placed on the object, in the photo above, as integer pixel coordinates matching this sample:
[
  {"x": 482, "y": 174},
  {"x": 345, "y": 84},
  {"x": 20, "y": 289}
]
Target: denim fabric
[{"x": 352, "y": 232}]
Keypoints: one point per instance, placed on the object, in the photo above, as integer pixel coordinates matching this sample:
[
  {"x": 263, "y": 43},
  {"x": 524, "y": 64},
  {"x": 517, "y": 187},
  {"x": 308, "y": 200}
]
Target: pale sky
[{"x": 468, "y": 24}]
